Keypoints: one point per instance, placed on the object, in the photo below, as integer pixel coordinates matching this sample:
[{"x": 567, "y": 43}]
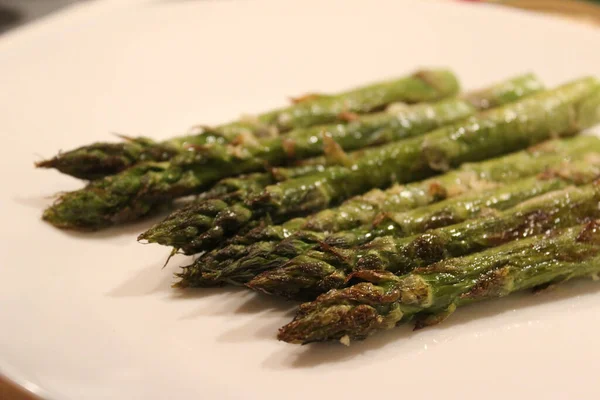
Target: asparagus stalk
[
  {"x": 560, "y": 112},
  {"x": 256, "y": 180},
  {"x": 147, "y": 186},
  {"x": 432, "y": 293},
  {"x": 183, "y": 232},
  {"x": 309, "y": 275},
  {"x": 221, "y": 208},
  {"x": 198, "y": 225},
  {"x": 139, "y": 190},
  {"x": 271, "y": 246},
  {"x": 102, "y": 159},
  {"x": 362, "y": 210}
]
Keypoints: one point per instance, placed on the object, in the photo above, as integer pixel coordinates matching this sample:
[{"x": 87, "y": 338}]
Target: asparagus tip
[
  {"x": 268, "y": 282},
  {"x": 168, "y": 233},
  {"x": 48, "y": 163},
  {"x": 190, "y": 277},
  {"x": 339, "y": 322},
  {"x": 93, "y": 162},
  {"x": 145, "y": 237},
  {"x": 56, "y": 217},
  {"x": 302, "y": 279}
]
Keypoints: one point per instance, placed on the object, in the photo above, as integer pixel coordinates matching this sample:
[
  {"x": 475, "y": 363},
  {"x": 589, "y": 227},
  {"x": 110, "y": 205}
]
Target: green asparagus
[
  {"x": 183, "y": 232},
  {"x": 430, "y": 294},
  {"x": 560, "y": 112},
  {"x": 271, "y": 246},
  {"x": 193, "y": 224},
  {"x": 308, "y": 275},
  {"x": 222, "y": 204},
  {"x": 361, "y": 210},
  {"x": 138, "y": 190},
  {"x": 103, "y": 159},
  {"x": 141, "y": 189}
]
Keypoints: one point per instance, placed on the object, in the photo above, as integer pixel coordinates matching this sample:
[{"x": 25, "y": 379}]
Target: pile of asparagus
[{"x": 396, "y": 201}]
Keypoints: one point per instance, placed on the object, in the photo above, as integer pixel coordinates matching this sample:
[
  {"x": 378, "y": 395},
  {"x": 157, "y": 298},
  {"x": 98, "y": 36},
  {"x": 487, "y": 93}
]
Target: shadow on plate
[
  {"x": 234, "y": 300},
  {"x": 267, "y": 314},
  {"x": 326, "y": 353},
  {"x": 263, "y": 326},
  {"x": 37, "y": 202},
  {"x": 258, "y": 303},
  {"x": 131, "y": 229},
  {"x": 144, "y": 282},
  {"x": 160, "y": 277}
]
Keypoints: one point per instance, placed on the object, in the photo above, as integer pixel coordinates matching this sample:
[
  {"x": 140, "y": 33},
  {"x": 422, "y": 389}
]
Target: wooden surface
[
  {"x": 583, "y": 11},
  {"x": 10, "y": 391}
]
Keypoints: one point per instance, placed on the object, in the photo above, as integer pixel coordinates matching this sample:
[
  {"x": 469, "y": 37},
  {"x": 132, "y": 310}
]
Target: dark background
[{"x": 16, "y": 12}]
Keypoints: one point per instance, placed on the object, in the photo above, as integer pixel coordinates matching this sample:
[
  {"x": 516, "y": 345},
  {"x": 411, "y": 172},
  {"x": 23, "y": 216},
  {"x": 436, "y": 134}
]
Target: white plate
[{"x": 93, "y": 316}]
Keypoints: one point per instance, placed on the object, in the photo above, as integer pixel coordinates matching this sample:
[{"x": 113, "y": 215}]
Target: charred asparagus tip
[
  {"x": 56, "y": 218},
  {"x": 332, "y": 323},
  {"x": 49, "y": 163}
]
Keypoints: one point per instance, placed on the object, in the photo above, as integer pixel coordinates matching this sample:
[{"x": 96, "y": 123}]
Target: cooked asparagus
[
  {"x": 308, "y": 275},
  {"x": 430, "y": 294},
  {"x": 271, "y": 246},
  {"x": 221, "y": 207},
  {"x": 193, "y": 224},
  {"x": 192, "y": 238},
  {"x": 103, "y": 159},
  {"x": 559, "y": 112},
  {"x": 139, "y": 190},
  {"x": 361, "y": 210}
]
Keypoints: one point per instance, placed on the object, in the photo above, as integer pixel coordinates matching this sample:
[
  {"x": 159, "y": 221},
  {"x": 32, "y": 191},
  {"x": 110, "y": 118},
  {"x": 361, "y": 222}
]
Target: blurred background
[{"x": 17, "y": 12}]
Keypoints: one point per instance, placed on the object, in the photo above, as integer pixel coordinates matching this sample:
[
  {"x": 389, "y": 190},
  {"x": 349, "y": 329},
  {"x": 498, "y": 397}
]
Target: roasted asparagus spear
[
  {"x": 317, "y": 272},
  {"x": 103, "y": 159},
  {"x": 139, "y": 190},
  {"x": 559, "y": 112},
  {"x": 193, "y": 221},
  {"x": 467, "y": 191},
  {"x": 183, "y": 232},
  {"x": 430, "y": 294}
]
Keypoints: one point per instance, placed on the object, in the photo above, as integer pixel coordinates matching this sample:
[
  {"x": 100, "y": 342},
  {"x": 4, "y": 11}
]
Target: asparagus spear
[
  {"x": 258, "y": 180},
  {"x": 561, "y": 111},
  {"x": 292, "y": 278},
  {"x": 204, "y": 224},
  {"x": 222, "y": 204},
  {"x": 191, "y": 172},
  {"x": 103, "y": 159},
  {"x": 137, "y": 191},
  {"x": 182, "y": 230},
  {"x": 271, "y": 246},
  {"x": 558, "y": 112},
  {"x": 433, "y": 292},
  {"x": 362, "y": 210},
  {"x": 308, "y": 275}
]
